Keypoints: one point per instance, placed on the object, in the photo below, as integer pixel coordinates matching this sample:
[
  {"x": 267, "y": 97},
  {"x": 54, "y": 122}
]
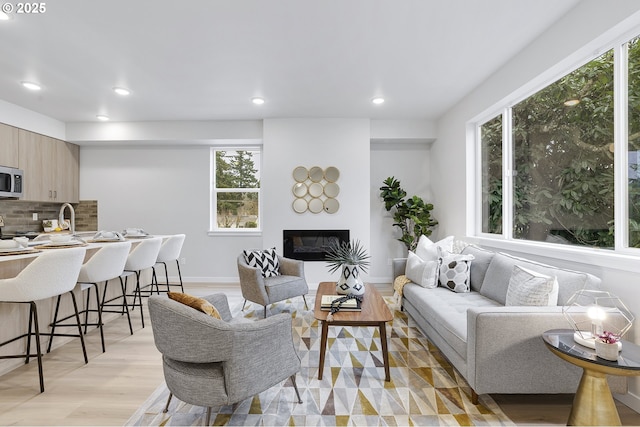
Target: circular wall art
[
  {"x": 300, "y": 174},
  {"x": 315, "y": 190},
  {"x": 300, "y": 205},
  {"x": 331, "y": 205},
  {"x": 316, "y": 174}
]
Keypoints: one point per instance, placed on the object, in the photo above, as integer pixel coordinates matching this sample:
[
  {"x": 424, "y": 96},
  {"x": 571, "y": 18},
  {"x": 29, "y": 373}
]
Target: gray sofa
[{"x": 497, "y": 348}]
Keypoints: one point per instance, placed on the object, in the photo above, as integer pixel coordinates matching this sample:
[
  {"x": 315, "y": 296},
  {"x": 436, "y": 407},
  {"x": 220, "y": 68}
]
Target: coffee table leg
[
  {"x": 323, "y": 347},
  {"x": 385, "y": 352}
]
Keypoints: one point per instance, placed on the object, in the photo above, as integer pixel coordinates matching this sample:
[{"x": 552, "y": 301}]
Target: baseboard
[{"x": 629, "y": 399}]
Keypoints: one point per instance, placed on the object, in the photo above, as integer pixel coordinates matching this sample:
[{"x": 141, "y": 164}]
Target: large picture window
[
  {"x": 235, "y": 189},
  {"x": 562, "y": 184}
]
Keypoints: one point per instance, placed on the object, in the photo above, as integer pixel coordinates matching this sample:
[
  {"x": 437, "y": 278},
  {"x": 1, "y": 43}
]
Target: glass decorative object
[{"x": 592, "y": 312}]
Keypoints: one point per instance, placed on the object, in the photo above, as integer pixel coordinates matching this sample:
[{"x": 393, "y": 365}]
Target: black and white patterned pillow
[
  {"x": 454, "y": 271},
  {"x": 266, "y": 261}
]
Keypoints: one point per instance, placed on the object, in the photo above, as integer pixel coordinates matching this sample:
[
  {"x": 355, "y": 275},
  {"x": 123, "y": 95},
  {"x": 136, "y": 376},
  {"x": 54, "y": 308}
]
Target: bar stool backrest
[
  {"x": 170, "y": 249},
  {"x": 107, "y": 263},
  {"x": 144, "y": 255},
  {"x": 50, "y": 274}
]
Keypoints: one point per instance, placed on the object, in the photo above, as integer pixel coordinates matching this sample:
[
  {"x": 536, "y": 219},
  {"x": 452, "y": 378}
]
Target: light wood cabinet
[
  {"x": 51, "y": 168},
  {"x": 9, "y": 146}
]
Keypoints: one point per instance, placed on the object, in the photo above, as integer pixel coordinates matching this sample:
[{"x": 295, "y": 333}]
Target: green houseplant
[
  {"x": 352, "y": 257},
  {"x": 412, "y": 215}
]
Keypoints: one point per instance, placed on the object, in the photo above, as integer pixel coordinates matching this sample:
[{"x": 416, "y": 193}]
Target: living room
[{"x": 155, "y": 173}]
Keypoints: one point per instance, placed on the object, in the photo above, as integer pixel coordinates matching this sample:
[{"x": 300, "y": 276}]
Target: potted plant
[
  {"x": 352, "y": 257},
  {"x": 412, "y": 216},
  {"x": 608, "y": 345}
]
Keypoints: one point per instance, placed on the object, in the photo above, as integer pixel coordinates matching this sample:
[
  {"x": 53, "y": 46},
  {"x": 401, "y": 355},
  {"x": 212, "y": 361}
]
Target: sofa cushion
[
  {"x": 481, "y": 260},
  {"x": 530, "y": 288},
  {"x": 420, "y": 272},
  {"x": 446, "y": 311},
  {"x": 454, "y": 270},
  {"x": 496, "y": 280}
]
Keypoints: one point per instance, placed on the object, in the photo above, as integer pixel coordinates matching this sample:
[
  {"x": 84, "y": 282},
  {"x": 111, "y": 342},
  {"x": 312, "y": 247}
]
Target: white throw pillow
[
  {"x": 528, "y": 287},
  {"x": 428, "y": 250},
  {"x": 421, "y": 272},
  {"x": 454, "y": 271}
]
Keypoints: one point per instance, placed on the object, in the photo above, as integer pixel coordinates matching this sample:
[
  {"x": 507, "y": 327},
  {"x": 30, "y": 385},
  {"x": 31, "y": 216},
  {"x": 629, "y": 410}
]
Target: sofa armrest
[
  {"x": 505, "y": 349},
  {"x": 399, "y": 266}
]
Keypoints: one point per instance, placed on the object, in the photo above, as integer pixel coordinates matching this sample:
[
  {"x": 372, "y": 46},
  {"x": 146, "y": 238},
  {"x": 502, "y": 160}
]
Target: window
[
  {"x": 235, "y": 195},
  {"x": 547, "y": 169}
]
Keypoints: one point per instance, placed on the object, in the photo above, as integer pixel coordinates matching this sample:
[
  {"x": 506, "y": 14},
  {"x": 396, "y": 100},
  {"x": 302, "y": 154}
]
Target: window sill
[
  {"x": 235, "y": 233},
  {"x": 605, "y": 258}
]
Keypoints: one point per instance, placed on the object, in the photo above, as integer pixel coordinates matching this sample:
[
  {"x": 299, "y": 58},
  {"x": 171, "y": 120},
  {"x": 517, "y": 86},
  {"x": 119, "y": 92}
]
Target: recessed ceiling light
[
  {"x": 102, "y": 117},
  {"x": 121, "y": 91},
  {"x": 257, "y": 100},
  {"x": 31, "y": 85},
  {"x": 377, "y": 100}
]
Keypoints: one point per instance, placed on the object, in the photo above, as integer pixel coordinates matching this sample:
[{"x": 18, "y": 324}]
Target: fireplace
[{"x": 310, "y": 245}]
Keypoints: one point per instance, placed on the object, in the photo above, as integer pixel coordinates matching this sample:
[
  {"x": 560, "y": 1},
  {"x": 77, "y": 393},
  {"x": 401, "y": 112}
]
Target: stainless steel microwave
[{"x": 10, "y": 182}]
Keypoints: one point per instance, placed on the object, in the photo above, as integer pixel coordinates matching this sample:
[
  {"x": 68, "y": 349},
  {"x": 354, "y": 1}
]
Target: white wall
[
  {"x": 567, "y": 42},
  {"x": 165, "y": 190},
  {"x": 409, "y": 163},
  {"x": 288, "y": 143},
  {"x": 22, "y": 118}
]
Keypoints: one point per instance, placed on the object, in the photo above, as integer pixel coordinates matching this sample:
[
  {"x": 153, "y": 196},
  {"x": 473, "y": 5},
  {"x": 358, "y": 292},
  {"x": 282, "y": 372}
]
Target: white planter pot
[
  {"x": 607, "y": 351},
  {"x": 349, "y": 282}
]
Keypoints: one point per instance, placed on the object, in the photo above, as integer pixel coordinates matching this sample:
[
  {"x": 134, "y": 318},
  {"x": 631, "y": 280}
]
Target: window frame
[
  {"x": 620, "y": 256},
  {"x": 213, "y": 193}
]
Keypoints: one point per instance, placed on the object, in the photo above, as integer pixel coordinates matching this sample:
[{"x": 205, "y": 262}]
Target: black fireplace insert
[{"x": 311, "y": 245}]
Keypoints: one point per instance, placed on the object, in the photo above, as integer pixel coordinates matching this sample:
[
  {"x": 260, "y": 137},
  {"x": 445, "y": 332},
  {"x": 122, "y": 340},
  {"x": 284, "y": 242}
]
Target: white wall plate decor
[
  {"x": 300, "y": 174},
  {"x": 300, "y": 205},
  {"x": 299, "y": 189},
  {"x": 331, "y": 189},
  {"x": 331, "y": 174},
  {"x": 316, "y": 206},
  {"x": 315, "y": 189},
  {"x": 331, "y": 205},
  {"x": 316, "y": 174}
]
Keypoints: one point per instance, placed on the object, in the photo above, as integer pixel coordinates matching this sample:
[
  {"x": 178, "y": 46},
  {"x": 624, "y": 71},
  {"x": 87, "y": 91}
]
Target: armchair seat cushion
[{"x": 283, "y": 287}]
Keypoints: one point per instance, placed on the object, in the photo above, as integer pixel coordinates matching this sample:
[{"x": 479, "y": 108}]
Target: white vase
[
  {"x": 607, "y": 351},
  {"x": 349, "y": 282}
]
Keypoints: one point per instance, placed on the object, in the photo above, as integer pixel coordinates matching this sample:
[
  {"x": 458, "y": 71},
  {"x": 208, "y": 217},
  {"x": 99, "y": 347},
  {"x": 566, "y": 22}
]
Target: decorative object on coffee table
[
  {"x": 608, "y": 346},
  {"x": 353, "y": 259}
]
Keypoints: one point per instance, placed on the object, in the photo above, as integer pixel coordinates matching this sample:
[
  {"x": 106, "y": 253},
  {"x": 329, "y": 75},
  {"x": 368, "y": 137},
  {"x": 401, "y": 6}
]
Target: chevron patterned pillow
[{"x": 266, "y": 260}]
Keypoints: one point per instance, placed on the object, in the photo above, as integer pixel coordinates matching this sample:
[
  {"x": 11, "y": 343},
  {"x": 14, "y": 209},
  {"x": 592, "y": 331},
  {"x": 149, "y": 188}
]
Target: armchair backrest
[{"x": 185, "y": 334}]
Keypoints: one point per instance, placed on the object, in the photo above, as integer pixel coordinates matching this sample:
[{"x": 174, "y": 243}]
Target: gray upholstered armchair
[
  {"x": 267, "y": 290},
  {"x": 211, "y": 362}
]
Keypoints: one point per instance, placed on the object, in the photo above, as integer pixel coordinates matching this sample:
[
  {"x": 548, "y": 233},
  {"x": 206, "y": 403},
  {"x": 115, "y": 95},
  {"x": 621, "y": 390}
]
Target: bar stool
[
  {"x": 50, "y": 274},
  {"x": 140, "y": 258},
  {"x": 106, "y": 264},
  {"x": 169, "y": 251}
]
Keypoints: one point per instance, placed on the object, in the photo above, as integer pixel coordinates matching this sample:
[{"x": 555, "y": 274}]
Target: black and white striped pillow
[{"x": 266, "y": 260}]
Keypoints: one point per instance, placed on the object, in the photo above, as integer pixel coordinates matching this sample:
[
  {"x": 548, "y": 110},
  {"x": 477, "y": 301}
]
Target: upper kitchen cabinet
[
  {"x": 9, "y": 146},
  {"x": 51, "y": 168}
]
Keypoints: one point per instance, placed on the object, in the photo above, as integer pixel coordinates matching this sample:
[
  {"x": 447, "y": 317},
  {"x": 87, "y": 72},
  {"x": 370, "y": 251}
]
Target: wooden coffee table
[{"x": 374, "y": 313}]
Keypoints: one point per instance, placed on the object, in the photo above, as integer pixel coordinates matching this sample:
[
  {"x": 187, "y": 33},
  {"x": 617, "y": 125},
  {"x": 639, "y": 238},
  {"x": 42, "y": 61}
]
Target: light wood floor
[{"x": 113, "y": 385}]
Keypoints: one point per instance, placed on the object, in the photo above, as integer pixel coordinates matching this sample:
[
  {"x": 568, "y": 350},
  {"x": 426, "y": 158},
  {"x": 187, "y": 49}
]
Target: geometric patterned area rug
[{"x": 425, "y": 390}]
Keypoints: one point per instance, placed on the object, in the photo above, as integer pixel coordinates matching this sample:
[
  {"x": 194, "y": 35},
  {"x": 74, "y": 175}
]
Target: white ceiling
[{"x": 205, "y": 59}]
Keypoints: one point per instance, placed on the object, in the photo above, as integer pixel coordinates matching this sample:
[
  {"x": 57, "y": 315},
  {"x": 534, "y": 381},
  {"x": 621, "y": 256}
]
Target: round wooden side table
[{"x": 593, "y": 404}]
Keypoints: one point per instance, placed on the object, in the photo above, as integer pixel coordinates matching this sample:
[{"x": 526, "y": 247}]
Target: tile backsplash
[{"x": 18, "y": 215}]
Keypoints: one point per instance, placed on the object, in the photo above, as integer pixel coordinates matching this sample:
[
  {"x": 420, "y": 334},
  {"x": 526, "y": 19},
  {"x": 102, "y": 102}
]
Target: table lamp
[{"x": 592, "y": 312}]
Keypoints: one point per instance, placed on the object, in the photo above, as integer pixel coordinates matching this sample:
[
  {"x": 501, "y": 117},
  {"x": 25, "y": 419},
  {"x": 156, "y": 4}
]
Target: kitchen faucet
[{"x": 72, "y": 224}]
